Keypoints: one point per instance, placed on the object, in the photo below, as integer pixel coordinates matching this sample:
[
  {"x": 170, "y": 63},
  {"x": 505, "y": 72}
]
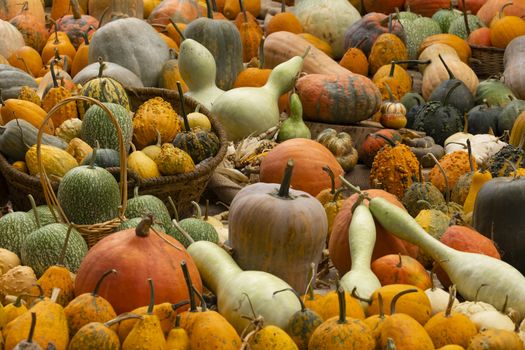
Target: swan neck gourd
[
  {"x": 282, "y": 78},
  {"x": 362, "y": 224}
]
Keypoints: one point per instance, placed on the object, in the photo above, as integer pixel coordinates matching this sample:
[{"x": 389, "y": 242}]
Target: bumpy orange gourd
[
  {"x": 496, "y": 339},
  {"x": 58, "y": 277},
  {"x": 454, "y": 164},
  {"x": 405, "y": 332},
  {"x": 56, "y": 94},
  {"x": 29, "y": 94},
  {"x": 355, "y": 61},
  {"x": 388, "y": 47},
  {"x": 397, "y": 78},
  {"x": 251, "y": 33}
]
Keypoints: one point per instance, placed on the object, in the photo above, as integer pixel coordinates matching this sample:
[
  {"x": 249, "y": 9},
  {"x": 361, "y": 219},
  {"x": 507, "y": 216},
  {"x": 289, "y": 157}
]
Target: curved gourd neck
[{"x": 282, "y": 78}]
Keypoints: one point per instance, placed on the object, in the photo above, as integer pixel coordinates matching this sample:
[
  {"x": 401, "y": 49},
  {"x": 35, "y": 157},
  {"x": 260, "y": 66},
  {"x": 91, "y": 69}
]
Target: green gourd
[
  {"x": 14, "y": 229},
  {"x": 139, "y": 206},
  {"x": 198, "y": 70},
  {"x": 196, "y": 227},
  {"x": 294, "y": 126},
  {"x": 253, "y": 110},
  {"x": 361, "y": 239}
]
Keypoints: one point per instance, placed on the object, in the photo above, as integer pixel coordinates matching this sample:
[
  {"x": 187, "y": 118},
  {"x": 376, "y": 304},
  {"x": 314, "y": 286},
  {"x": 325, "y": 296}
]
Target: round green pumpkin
[
  {"x": 14, "y": 229},
  {"x": 139, "y": 206},
  {"x": 45, "y": 216},
  {"x": 43, "y": 246},
  {"x": 89, "y": 195},
  {"x": 198, "y": 229}
]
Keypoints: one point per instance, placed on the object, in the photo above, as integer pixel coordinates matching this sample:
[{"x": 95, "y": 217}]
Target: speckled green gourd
[
  {"x": 457, "y": 26},
  {"x": 42, "y": 248},
  {"x": 97, "y": 125},
  {"x": 198, "y": 229},
  {"x": 89, "y": 195},
  {"x": 139, "y": 206},
  {"x": 104, "y": 158},
  {"x": 134, "y": 222},
  {"x": 421, "y": 195},
  {"x": 14, "y": 229},
  {"x": 445, "y": 16},
  {"x": 45, "y": 215},
  {"x": 416, "y": 31}
]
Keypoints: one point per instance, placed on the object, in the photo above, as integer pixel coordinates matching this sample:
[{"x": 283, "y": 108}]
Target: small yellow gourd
[
  {"x": 178, "y": 337},
  {"x": 143, "y": 165},
  {"x": 198, "y": 119},
  {"x": 153, "y": 151},
  {"x": 165, "y": 312},
  {"x": 56, "y": 161},
  {"x": 332, "y": 208},
  {"x": 478, "y": 180},
  {"x": 14, "y": 309},
  {"x": 20, "y": 165},
  {"x": 78, "y": 149},
  {"x": 172, "y": 160},
  {"x": 147, "y": 333}
]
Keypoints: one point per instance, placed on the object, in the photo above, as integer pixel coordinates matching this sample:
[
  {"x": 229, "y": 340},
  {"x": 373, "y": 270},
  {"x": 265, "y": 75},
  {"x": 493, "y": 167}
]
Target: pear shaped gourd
[
  {"x": 294, "y": 126},
  {"x": 198, "y": 70},
  {"x": 253, "y": 110}
]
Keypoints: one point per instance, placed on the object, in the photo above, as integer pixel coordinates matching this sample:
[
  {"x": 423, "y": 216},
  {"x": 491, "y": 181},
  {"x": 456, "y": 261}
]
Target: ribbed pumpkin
[
  {"x": 310, "y": 157},
  {"x": 155, "y": 114},
  {"x": 129, "y": 252},
  {"x": 387, "y": 48},
  {"x": 250, "y": 31},
  {"x": 284, "y": 21},
  {"x": 32, "y": 28},
  {"x": 505, "y": 28}
]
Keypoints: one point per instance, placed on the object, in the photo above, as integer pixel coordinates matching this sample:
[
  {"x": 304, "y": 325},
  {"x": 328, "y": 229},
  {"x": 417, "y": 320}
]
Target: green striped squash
[
  {"x": 97, "y": 125},
  {"x": 14, "y": 229},
  {"x": 89, "y": 195},
  {"x": 139, "y": 206},
  {"x": 198, "y": 229},
  {"x": 199, "y": 144},
  {"x": 45, "y": 216},
  {"x": 103, "y": 89},
  {"x": 42, "y": 248}
]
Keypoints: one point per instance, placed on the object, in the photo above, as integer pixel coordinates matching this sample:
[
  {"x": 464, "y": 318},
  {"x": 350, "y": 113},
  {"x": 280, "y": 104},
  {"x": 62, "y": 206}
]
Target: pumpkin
[
  {"x": 355, "y": 61},
  {"x": 27, "y": 59},
  {"x": 373, "y": 143},
  {"x": 393, "y": 114},
  {"x": 81, "y": 57},
  {"x": 183, "y": 11},
  {"x": 462, "y": 49},
  {"x": 480, "y": 37},
  {"x": 308, "y": 175},
  {"x": 341, "y": 99},
  {"x": 10, "y": 8},
  {"x": 505, "y": 28},
  {"x": 76, "y": 24},
  {"x": 341, "y": 146},
  {"x": 367, "y": 29},
  {"x": 496, "y": 339},
  {"x": 33, "y": 29},
  {"x": 112, "y": 70},
  {"x": 397, "y": 78},
  {"x": 133, "y": 44},
  {"x": 393, "y": 169},
  {"x": 108, "y": 253},
  {"x": 338, "y": 245},
  {"x": 58, "y": 45},
  {"x": 250, "y": 32},
  {"x": 247, "y": 242},
  {"x": 11, "y": 40},
  {"x": 401, "y": 269},
  {"x": 284, "y": 21},
  {"x": 233, "y": 7},
  {"x": 491, "y": 8},
  {"x": 170, "y": 74},
  {"x": 387, "y": 48},
  {"x": 420, "y": 195}
]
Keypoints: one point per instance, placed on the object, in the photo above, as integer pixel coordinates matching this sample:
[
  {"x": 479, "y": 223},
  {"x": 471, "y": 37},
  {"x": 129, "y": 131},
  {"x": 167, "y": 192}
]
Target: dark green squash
[
  {"x": 482, "y": 118},
  {"x": 104, "y": 158},
  {"x": 42, "y": 248},
  {"x": 439, "y": 120},
  {"x": 412, "y": 112},
  {"x": 461, "y": 98},
  {"x": 45, "y": 216},
  {"x": 411, "y": 99},
  {"x": 499, "y": 163},
  {"x": 223, "y": 40},
  {"x": 508, "y": 116},
  {"x": 139, "y": 206},
  {"x": 198, "y": 143},
  {"x": 97, "y": 126}
]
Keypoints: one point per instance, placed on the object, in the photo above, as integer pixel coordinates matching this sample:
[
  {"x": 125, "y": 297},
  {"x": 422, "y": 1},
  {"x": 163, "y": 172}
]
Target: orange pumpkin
[
  {"x": 178, "y": 10},
  {"x": 504, "y": 28},
  {"x": 251, "y": 33},
  {"x": 32, "y": 28},
  {"x": 309, "y": 156},
  {"x": 62, "y": 44},
  {"x": 233, "y": 7},
  {"x": 480, "y": 37},
  {"x": 394, "y": 269},
  {"x": 173, "y": 33},
  {"x": 130, "y": 252},
  {"x": 284, "y": 21},
  {"x": 491, "y": 8},
  {"x": 27, "y": 59}
]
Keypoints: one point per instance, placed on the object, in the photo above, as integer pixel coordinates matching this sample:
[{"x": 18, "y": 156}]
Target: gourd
[
  {"x": 373, "y": 142},
  {"x": 14, "y": 228},
  {"x": 416, "y": 31},
  {"x": 198, "y": 119},
  {"x": 249, "y": 110},
  {"x": 495, "y": 92},
  {"x": 250, "y": 32},
  {"x": 198, "y": 70},
  {"x": 103, "y": 157},
  {"x": 195, "y": 227},
  {"x": 284, "y": 21},
  {"x": 493, "y": 319},
  {"x": 419, "y": 194},
  {"x": 388, "y": 47},
  {"x": 89, "y": 307},
  {"x": 178, "y": 337},
  {"x": 11, "y": 40},
  {"x": 496, "y": 339},
  {"x": 341, "y": 146},
  {"x": 166, "y": 312},
  {"x": 173, "y": 160},
  {"x": 393, "y": 113},
  {"x": 306, "y": 233},
  {"x": 18, "y": 281},
  {"x": 13, "y": 79},
  {"x": 78, "y": 149},
  {"x": 439, "y": 298},
  {"x": 14, "y": 309},
  {"x": 27, "y": 59},
  {"x": 133, "y": 44},
  {"x": 21, "y": 109},
  {"x": 144, "y": 166},
  {"x": 55, "y": 161},
  {"x": 220, "y": 272},
  {"x": 512, "y": 60},
  {"x": 181, "y": 10},
  {"x": 8, "y": 260},
  {"x": 466, "y": 270},
  {"x": 339, "y": 332},
  {"x": 267, "y": 337},
  {"x": 294, "y": 126},
  {"x": 28, "y": 343},
  {"x": 141, "y": 205},
  {"x": 80, "y": 61},
  {"x": 138, "y": 244},
  {"x": 361, "y": 239},
  {"x": 171, "y": 73},
  {"x": 56, "y": 94},
  {"x": 112, "y": 70}
]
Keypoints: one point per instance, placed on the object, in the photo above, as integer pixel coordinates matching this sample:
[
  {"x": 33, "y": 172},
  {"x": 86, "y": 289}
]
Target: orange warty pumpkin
[
  {"x": 137, "y": 254},
  {"x": 309, "y": 156}
]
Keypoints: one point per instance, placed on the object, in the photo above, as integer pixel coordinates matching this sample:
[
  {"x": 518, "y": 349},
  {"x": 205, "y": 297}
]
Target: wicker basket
[
  {"x": 182, "y": 188},
  {"x": 487, "y": 61}
]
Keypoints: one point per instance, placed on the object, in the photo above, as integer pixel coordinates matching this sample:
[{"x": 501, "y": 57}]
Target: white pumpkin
[
  {"x": 439, "y": 299},
  {"x": 10, "y": 39},
  {"x": 492, "y": 319},
  {"x": 327, "y": 20},
  {"x": 484, "y": 146}
]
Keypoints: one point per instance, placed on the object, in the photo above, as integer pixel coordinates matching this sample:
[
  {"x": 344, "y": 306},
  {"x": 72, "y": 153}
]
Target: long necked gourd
[
  {"x": 198, "y": 70},
  {"x": 253, "y": 110},
  {"x": 224, "y": 277},
  {"x": 466, "y": 270},
  {"x": 361, "y": 239}
]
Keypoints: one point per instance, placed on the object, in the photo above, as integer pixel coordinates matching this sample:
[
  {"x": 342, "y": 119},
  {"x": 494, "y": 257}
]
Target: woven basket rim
[{"x": 487, "y": 48}]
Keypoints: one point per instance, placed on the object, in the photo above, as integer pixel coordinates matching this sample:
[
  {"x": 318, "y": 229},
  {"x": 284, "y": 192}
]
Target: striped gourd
[
  {"x": 139, "y": 206},
  {"x": 14, "y": 229},
  {"x": 42, "y": 248},
  {"x": 104, "y": 89}
]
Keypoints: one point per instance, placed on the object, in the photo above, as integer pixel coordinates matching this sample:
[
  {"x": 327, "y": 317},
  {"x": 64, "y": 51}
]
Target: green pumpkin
[
  {"x": 198, "y": 229},
  {"x": 482, "y": 118},
  {"x": 457, "y": 26},
  {"x": 494, "y": 92},
  {"x": 411, "y": 99},
  {"x": 134, "y": 222},
  {"x": 97, "y": 126},
  {"x": 104, "y": 158},
  {"x": 14, "y": 229},
  {"x": 139, "y": 206},
  {"x": 508, "y": 116},
  {"x": 444, "y": 17},
  {"x": 223, "y": 40},
  {"x": 416, "y": 31},
  {"x": 198, "y": 143},
  {"x": 89, "y": 195},
  {"x": 43, "y": 246},
  {"x": 45, "y": 216}
]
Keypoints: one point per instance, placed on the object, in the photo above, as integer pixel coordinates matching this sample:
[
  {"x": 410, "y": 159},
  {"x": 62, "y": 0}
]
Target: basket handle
[{"x": 50, "y": 196}]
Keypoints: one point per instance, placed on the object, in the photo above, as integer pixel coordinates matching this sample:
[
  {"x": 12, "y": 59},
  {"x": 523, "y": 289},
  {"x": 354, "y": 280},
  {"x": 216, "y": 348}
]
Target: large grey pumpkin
[
  {"x": 133, "y": 44},
  {"x": 223, "y": 40},
  {"x": 10, "y": 39},
  {"x": 12, "y": 79},
  {"x": 111, "y": 70}
]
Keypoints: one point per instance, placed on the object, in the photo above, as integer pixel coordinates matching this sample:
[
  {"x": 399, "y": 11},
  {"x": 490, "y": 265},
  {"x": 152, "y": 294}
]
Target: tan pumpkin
[
  {"x": 433, "y": 51},
  {"x": 11, "y": 38},
  {"x": 436, "y": 73},
  {"x": 462, "y": 48}
]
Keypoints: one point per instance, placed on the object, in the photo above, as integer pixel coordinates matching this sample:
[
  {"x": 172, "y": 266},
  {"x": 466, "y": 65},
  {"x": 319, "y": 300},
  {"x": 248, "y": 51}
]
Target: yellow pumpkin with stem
[
  {"x": 387, "y": 47},
  {"x": 396, "y": 76},
  {"x": 166, "y": 313},
  {"x": 496, "y": 339},
  {"x": 178, "y": 337},
  {"x": 311, "y": 300},
  {"x": 89, "y": 307},
  {"x": 147, "y": 333},
  {"x": 505, "y": 28},
  {"x": 449, "y": 327},
  {"x": 14, "y": 309},
  {"x": 341, "y": 333},
  {"x": 329, "y": 306}
]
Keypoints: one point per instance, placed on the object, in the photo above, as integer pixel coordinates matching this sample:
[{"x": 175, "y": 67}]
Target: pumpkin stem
[
  {"x": 35, "y": 211},
  {"x": 450, "y": 74},
  {"x": 283, "y": 6},
  {"x": 342, "y": 303},
  {"x": 381, "y": 304},
  {"x": 75, "y": 8},
  {"x": 261, "y": 52},
  {"x": 33, "y": 324},
  {"x": 122, "y": 317},
  {"x": 469, "y": 150},
  {"x": 346, "y": 183},
  {"x": 400, "y": 263},
  {"x": 310, "y": 287},
  {"x": 172, "y": 204},
  {"x": 204, "y": 307},
  {"x": 449, "y": 92},
  {"x": 451, "y": 298},
  {"x": 392, "y": 69},
  {"x": 99, "y": 282},
  {"x": 52, "y": 70},
  {"x": 136, "y": 192},
  {"x": 151, "y": 297},
  {"x": 477, "y": 291},
  {"x": 447, "y": 188},
  {"x": 94, "y": 156},
  {"x": 390, "y": 345},
  {"x": 360, "y": 298},
  {"x": 180, "y": 304},
  {"x": 396, "y": 298},
  {"x": 189, "y": 284},
  {"x": 214, "y": 6},
  {"x": 465, "y": 18},
  {"x": 198, "y": 212},
  {"x": 177, "y": 321},
  {"x": 101, "y": 66},
  {"x": 18, "y": 300},
  {"x": 390, "y": 23},
  {"x": 330, "y": 173},
  {"x": 183, "y": 231},
  {"x": 64, "y": 247},
  {"x": 243, "y": 10},
  {"x": 85, "y": 36},
  {"x": 177, "y": 29},
  {"x": 209, "y": 9},
  {"x": 504, "y": 308},
  {"x": 25, "y": 65},
  {"x": 284, "y": 189},
  {"x": 390, "y": 95},
  {"x": 303, "y": 307},
  {"x": 142, "y": 229},
  {"x": 183, "y": 111}
]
